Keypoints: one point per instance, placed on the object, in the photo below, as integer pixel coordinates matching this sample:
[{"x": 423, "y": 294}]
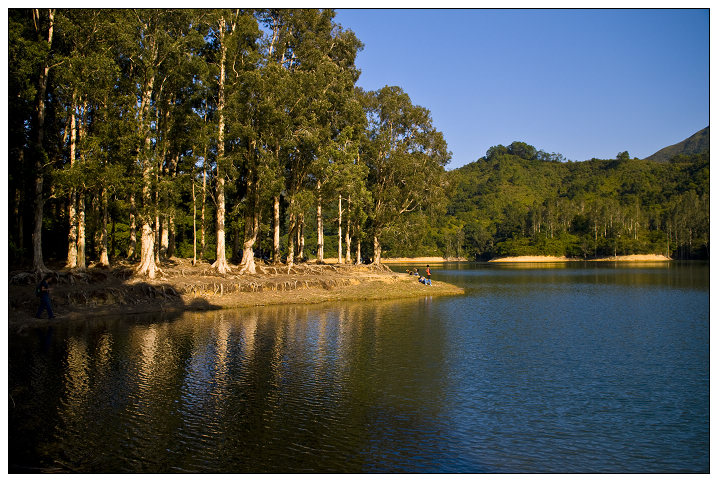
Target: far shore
[
  {"x": 520, "y": 259},
  {"x": 558, "y": 259},
  {"x": 425, "y": 259}
]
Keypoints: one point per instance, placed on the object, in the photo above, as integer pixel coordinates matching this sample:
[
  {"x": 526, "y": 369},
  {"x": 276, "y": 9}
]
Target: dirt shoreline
[
  {"x": 181, "y": 287},
  {"x": 553, "y": 259}
]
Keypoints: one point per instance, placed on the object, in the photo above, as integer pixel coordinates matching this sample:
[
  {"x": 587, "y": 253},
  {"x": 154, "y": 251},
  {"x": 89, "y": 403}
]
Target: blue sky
[{"x": 583, "y": 83}]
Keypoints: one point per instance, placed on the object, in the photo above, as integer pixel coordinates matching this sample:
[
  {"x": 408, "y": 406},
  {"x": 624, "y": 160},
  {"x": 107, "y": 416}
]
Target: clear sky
[{"x": 583, "y": 83}]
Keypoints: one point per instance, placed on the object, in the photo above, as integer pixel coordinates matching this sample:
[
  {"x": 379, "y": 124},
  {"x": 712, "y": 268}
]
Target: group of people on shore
[{"x": 422, "y": 279}]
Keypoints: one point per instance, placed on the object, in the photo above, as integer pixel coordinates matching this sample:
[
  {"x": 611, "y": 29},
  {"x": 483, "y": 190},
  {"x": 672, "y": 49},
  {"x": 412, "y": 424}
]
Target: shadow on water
[{"x": 276, "y": 389}]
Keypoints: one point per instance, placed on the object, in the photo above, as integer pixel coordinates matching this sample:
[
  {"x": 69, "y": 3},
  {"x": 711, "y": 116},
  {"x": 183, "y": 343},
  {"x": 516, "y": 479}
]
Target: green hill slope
[
  {"x": 697, "y": 143},
  {"x": 512, "y": 204}
]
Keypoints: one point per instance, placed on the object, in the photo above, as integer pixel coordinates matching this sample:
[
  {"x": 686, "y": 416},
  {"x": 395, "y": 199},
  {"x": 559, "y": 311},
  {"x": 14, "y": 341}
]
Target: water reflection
[{"x": 530, "y": 372}]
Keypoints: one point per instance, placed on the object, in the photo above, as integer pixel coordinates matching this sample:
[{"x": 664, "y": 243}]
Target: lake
[{"x": 565, "y": 368}]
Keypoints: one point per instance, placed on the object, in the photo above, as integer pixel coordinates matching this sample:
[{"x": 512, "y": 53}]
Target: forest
[
  {"x": 236, "y": 135},
  {"x": 519, "y": 201}
]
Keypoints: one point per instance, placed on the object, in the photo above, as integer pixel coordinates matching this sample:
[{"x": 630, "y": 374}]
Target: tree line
[{"x": 214, "y": 134}]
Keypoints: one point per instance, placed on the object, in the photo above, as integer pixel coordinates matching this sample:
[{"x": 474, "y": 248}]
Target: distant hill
[{"x": 698, "y": 142}]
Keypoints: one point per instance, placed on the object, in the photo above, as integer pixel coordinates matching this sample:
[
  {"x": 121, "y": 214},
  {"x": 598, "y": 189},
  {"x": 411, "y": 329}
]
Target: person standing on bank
[
  {"x": 43, "y": 291},
  {"x": 428, "y": 275}
]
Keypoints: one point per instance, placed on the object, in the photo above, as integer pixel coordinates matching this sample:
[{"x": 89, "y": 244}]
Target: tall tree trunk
[
  {"x": 275, "y": 241},
  {"x": 291, "y": 235},
  {"x": 203, "y": 241},
  {"x": 300, "y": 237},
  {"x": 172, "y": 232},
  {"x": 251, "y": 230},
  {"x": 194, "y": 226},
  {"x": 339, "y": 235},
  {"x": 72, "y": 208},
  {"x": 147, "y": 256},
  {"x": 104, "y": 256},
  {"x": 165, "y": 236},
  {"x": 81, "y": 195},
  {"x": 358, "y": 252},
  {"x": 251, "y": 221},
  {"x": 221, "y": 262},
  {"x": 156, "y": 228},
  {"x": 147, "y": 264},
  {"x": 131, "y": 250},
  {"x": 170, "y": 171},
  {"x": 377, "y": 250},
  {"x": 38, "y": 264},
  {"x": 347, "y": 235},
  {"x": 81, "y": 237},
  {"x": 320, "y": 227}
]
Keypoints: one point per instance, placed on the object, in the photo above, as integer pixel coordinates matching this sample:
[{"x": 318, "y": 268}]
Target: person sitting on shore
[{"x": 416, "y": 272}]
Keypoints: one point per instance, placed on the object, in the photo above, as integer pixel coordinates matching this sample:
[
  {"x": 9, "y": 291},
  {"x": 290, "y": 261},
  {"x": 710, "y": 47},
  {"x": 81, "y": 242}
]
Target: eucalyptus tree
[
  {"x": 27, "y": 52},
  {"x": 95, "y": 132},
  {"x": 406, "y": 156},
  {"x": 232, "y": 38},
  {"x": 337, "y": 168},
  {"x": 231, "y": 55},
  {"x": 151, "y": 39},
  {"x": 178, "y": 126},
  {"x": 318, "y": 59},
  {"x": 31, "y": 58}
]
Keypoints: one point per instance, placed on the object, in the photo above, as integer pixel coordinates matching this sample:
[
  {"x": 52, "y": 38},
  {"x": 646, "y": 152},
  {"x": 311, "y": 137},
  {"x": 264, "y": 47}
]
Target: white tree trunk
[
  {"x": 81, "y": 260},
  {"x": 147, "y": 264},
  {"x": 194, "y": 226},
  {"x": 320, "y": 227},
  {"x": 377, "y": 251},
  {"x": 147, "y": 256},
  {"x": 104, "y": 255},
  {"x": 347, "y": 235},
  {"x": 300, "y": 237},
  {"x": 72, "y": 208},
  {"x": 202, "y": 242},
  {"x": 165, "y": 236},
  {"x": 290, "y": 239},
  {"x": 276, "y": 257},
  {"x": 131, "y": 250},
  {"x": 339, "y": 235},
  {"x": 221, "y": 262},
  {"x": 251, "y": 230}
]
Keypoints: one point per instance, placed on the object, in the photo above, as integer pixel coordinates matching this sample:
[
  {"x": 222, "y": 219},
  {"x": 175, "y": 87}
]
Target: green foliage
[{"x": 513, "y": 205}]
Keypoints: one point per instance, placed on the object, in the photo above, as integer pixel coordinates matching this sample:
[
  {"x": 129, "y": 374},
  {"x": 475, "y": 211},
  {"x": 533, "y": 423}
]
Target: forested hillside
[
  {"x": 234, "y": 134},
  {"x": 519, "y": 201}
]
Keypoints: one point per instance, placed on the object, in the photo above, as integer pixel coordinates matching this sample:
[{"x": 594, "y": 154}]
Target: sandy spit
[
  {"x": 420, "y": 259},
  {"x": 555, "y": 259},
  {"x": 183, "y": 287}
]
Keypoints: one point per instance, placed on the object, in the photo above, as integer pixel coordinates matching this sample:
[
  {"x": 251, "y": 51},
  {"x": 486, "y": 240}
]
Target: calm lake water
[{"x": 538, "y": 368}]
